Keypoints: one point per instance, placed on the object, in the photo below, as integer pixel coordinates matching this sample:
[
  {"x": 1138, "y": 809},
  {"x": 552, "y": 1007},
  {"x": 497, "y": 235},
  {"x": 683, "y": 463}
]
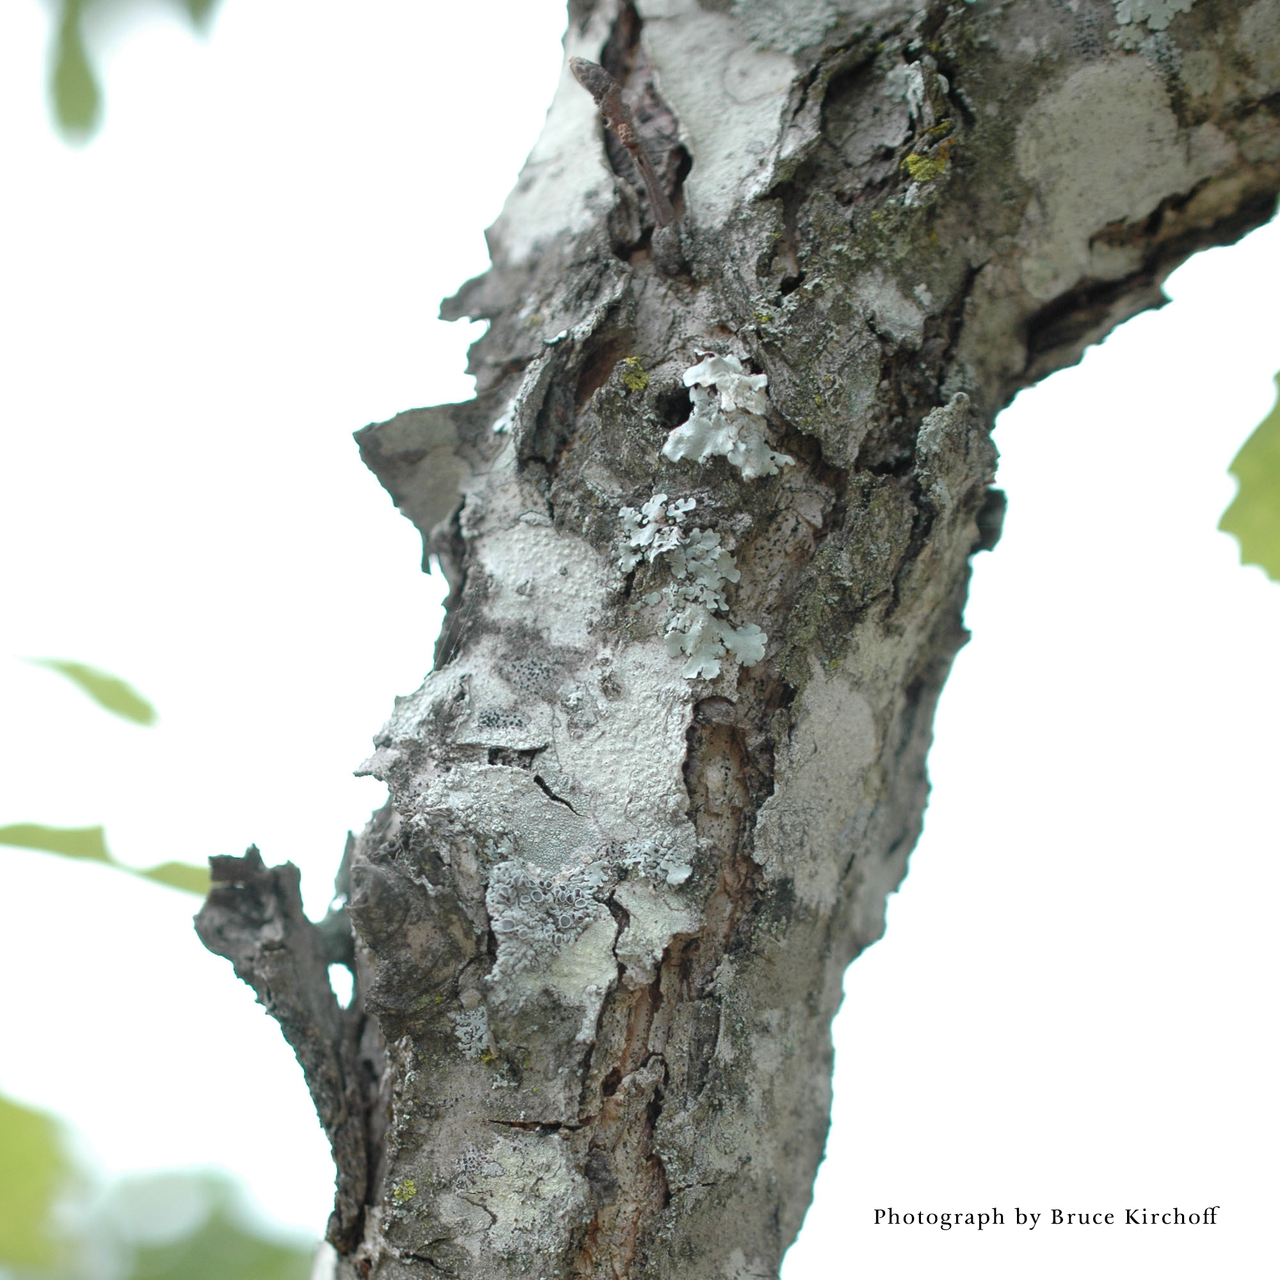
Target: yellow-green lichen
[
  {"x": 926, "y": 168},
  {"x": 488, "y": 1055},
  {"x": 763, "y": 317},
  {"x": 634, "y": 377},
  {"x": 404, "y": 1191}
]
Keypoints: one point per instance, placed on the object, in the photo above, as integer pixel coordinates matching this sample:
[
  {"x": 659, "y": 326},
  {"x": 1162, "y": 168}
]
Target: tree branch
[{"x": 254, "y": 918}]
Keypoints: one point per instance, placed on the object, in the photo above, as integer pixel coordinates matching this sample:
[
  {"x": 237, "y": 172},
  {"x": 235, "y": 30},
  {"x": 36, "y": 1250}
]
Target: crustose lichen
[
  {"x": 700, "y": 569},
  {"x": 534, "y": 913}
]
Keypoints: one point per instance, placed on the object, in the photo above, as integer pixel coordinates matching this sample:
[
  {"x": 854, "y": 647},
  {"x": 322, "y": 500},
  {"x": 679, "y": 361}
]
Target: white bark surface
[{"x": 600, "y": 927}]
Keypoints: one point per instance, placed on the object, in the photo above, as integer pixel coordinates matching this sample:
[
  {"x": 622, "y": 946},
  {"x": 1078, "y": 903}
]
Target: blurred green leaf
[
  {"x": 176, "y": 1225},
  {"x": 108, "y": 691},
  {"x": 90, "y": 843},
  {"x": 199, "y": 11},
  {"x": 220, "y": 1250},
  {"x": 180, "y": 875},
  {"x": 185, "y": 1226},
  {"x": 71, "y": 842},
  {"x": 73, "y": 86},
  {"x": 1253, "y": 518},
  {"x": 77, "y": 101},
  {"x": 33, "y": 1170}
]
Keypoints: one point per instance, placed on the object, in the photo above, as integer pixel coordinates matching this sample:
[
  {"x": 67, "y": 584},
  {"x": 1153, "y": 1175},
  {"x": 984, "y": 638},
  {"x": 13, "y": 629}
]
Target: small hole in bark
[
  {"x": 674, "y": 406},
  {"x": 611, "y": 1083},
  {"x": 789, "y": 284}
]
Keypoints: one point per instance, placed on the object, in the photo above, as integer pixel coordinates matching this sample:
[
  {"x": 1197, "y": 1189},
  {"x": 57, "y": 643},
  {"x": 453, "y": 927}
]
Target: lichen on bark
[{"x": 603, "y": 919}]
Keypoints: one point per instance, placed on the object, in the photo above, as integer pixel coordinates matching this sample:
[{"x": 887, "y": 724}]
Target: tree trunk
[{"x": 721, "y": 482}]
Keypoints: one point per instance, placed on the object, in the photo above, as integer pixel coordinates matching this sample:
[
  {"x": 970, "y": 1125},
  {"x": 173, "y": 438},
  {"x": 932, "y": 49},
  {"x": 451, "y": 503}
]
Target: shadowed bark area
[{"x": 707, "y": 527}]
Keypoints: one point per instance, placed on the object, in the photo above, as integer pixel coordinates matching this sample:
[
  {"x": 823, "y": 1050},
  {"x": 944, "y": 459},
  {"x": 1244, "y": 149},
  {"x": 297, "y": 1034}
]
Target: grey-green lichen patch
[
  {"x": 553, "y": 1004},
  {"x": 615, "y": 722},
  {"x": 533, "y": 914},
  {"x": 535, "y": 1196},
  {"x": 906, "y": 81},
  {"x": 516, "y": 1198},
  {"x": 695, "y": 598},
  {"x": 739, "y": 1267},
  {"x": 471, "y": 1026},
  {"x": 853, "y": 573},
  {"x": 727, "y": 419},
  {"x": 888, "y": 308},
  {"x": 1157, "y": 14},
  {"x": 658, "y": 527},
  {"x": 666, "y": 859},
  {"x": 700, "y": 569}
]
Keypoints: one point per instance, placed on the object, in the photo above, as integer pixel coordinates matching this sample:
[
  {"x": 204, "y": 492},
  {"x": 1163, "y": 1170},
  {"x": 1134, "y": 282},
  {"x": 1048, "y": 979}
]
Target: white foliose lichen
[
  {"x": 657, "y": 860},
  {"x": 471, "y": 1027},
  {"x": 907, "y": 83},
  {"x": 534, "y": 913},
  {"x": 656, "y": 528},
  {"x": 700, "y": 568},
  {"x": 1157, "y": 14},
  {"x": 727, "y": 419}
]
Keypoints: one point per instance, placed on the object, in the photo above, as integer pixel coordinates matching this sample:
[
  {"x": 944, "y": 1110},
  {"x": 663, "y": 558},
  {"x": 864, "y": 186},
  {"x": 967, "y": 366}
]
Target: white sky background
[{"x": 1074, "y": 1004}]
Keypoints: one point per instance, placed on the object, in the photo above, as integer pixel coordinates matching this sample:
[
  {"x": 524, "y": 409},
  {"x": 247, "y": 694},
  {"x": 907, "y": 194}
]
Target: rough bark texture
[{"x": 603, "y": 919}]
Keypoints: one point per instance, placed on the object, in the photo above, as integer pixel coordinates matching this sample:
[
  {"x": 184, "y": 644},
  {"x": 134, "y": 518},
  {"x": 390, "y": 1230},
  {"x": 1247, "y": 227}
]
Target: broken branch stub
[{"x": 253, "y": 917}]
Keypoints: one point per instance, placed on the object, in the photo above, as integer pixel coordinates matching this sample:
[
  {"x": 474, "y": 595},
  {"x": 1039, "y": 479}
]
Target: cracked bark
[{"x": 601, "y": 923}]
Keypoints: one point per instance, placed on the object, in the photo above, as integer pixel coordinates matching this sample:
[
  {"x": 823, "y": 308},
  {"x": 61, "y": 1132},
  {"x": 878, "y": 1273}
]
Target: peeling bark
[{"x": 603, "y": 920}]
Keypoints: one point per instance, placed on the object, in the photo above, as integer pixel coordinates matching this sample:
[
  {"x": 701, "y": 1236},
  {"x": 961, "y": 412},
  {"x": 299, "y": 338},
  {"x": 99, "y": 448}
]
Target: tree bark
[{"x": 707, "y": 526}]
